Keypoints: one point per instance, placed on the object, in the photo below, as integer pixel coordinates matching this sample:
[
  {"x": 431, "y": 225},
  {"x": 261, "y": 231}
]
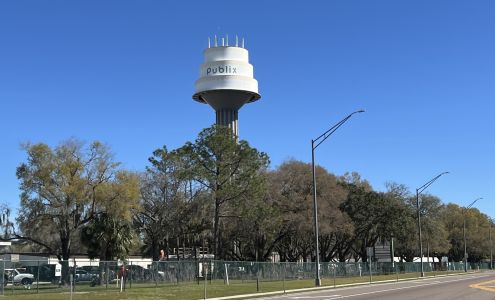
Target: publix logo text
[{"x": 221, "y": 70}]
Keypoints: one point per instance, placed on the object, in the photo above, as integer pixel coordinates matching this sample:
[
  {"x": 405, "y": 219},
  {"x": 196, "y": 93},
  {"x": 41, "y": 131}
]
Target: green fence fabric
[{"x": 28, "y": 277}]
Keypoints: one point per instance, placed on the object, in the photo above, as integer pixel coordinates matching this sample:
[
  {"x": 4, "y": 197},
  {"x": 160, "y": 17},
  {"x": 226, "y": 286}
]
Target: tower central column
[{"x": 228, "y": 117}]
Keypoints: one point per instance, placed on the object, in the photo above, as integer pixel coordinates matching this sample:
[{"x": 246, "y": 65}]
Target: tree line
[{"x": 219, "y": 193}]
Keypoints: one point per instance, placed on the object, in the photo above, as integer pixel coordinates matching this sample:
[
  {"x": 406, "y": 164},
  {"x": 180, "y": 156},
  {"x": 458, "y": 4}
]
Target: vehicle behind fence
[{"x": 21, "y": 277}]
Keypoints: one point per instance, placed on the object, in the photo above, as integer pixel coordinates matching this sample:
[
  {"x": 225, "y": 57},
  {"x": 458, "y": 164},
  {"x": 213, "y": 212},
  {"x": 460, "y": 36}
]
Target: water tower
[{"x": 226, "y": 81}]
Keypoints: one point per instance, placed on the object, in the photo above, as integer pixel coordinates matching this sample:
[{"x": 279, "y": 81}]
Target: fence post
[
  {"x": 177, "y": 269},
  {"x": 197, "y": 269},
  {"x": 71, "y": 279},
  {"x": 38, "y": 279},
  {"x": 3, "y": 278},
  {"x": 205, "y": 268},
  {"x": 284, "y": 274},
  {"x": 130, "y": 275},
  {"x": 107, "y": 273},
  {"x": 226, "y": 274},
  {"x": 121, "y": 278},
  {"x": 257, "y": 276},
  {"x": 212, "y": 267},
  {"x": 12, "y": 287},
  {"x": 369, "y": 267},
  {"x": 334, "y": 274},
  {"x": 156, "y": 275},
  {"x": 397, "y": 271}
]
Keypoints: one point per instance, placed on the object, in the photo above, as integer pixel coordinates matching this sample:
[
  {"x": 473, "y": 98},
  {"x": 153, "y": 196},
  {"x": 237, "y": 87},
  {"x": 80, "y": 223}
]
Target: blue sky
[{"x": 123, "y": 72}]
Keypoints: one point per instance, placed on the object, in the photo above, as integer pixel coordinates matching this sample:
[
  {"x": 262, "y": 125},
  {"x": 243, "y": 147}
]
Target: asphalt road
[{"x": 451, "y": 287}]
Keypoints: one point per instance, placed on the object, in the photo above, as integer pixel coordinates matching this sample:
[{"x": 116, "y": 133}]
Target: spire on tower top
[{"x": 225, "y": 41}]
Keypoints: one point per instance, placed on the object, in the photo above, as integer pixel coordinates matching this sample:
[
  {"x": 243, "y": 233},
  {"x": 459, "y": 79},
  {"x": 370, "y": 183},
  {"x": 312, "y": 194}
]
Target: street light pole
[
  {"x": 418, "y": 192},
  {"x": 491, "y": 244},
  {"x": 315, "y": 216},
  {"x": 314, "y": 144},
  {"x": 465, "y": 248},
  {"x": 464, "y": 232}
]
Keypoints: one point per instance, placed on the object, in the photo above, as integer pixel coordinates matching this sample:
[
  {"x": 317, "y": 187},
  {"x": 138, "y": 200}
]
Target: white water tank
[{"x": 226, "y": 82}]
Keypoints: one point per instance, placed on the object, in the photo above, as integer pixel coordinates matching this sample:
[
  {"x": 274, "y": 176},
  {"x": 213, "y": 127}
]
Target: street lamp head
[
  {"x": 426, "y": 185},
  {"x": 472, "y": 203},
  {"x": 356, "y": 112}
]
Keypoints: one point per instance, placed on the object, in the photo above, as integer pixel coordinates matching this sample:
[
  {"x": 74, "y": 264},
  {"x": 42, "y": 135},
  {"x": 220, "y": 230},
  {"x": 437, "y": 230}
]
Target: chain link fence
[{"x": 29, "y": 277}]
